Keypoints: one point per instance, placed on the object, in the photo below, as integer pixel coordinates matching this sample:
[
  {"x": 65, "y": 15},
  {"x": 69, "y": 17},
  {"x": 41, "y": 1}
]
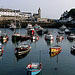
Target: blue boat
[{"x": 34, "y": 68}]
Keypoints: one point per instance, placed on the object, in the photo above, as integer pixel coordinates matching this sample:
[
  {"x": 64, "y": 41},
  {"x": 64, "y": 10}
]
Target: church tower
[{"x": 39, "y": 13}]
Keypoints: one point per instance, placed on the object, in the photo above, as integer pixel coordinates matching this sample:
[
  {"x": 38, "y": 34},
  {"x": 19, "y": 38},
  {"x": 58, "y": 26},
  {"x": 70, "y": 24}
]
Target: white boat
[
  {"x": 73, "y": 50},
  {"x": 12, "y": 26},
  {"x": 63, "y": 27},
  {"x": 49, "y": 36},
  {"x": 67, "y": 31},
  {"x": 71, "y": 37},
  {"x": 29, "y": 26}
]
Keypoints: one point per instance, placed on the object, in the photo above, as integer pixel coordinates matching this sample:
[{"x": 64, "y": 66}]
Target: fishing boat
[
  {"x": 46, "y": 31},
  {"x": 63, "y": 27},
  {"x": 34, "y": 68},
  {"x": 1, "y": 49},
  {"x": 52, "y": 54},
  {"x": 31, "y": 31},
  {"x": 39, "y": 29},
  {"x": 18, "y": 57},
  {"x": 24, "y": 37},
  {"x": 12, "y": 26},
  {"x": 73, "y": 50},
  {"x": 4, "y": 37},
  {"x": 67, "y": 31},
  {"x": 71, "y": 37},
  {"x": 29, "y": 26},
  {"x": 49, "y": 36},
  {"x": 60, "y": 32},
  {"x": 59, "y": 38},
  {"x": 22, "y": 49},
  {"x": 55, "y": 48},
  {"x": 35, "y": 37},
  {"x": 16, "y": 36}
]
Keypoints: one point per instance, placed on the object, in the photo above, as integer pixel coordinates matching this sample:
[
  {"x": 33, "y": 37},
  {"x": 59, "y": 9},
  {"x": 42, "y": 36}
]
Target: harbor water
[{"x": 61, "y": 64}]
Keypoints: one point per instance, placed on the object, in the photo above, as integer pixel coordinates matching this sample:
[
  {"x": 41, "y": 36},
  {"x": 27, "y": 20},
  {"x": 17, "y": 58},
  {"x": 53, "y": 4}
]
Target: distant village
[{"x": 9, "y": 14}]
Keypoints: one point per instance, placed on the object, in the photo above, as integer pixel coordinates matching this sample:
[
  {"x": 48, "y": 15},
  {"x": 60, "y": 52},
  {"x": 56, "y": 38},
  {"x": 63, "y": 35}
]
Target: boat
[
  {"x": 22, "y": 48},
  {"x": 52, "y": 54},
  {"x": 46, "y": 31},
  {"x": 12, "y": 26},
  {"x": 4, "y": 37},
  {"x": 18, "y": 57},
  {"x": 16, "y": 36},
  {"x": 60, "y": 32},
  {"x": 55, "y": 48},
  {"x": 71, "y": 37},
  {"x": 63, "y": 27},
  {"x": 35, "y": 37},
  {"x": 1, "y": 49},
  {"x": 49, "y": 36},
  {"x": 34, "y": 68},
  {"x": 59, "y": 38},
  {"x": 31, "y": 31},
  {"x": 73, "y": 50},
  {"x": 39, "y": 29},
  {"x": 29, "y": 26},
  {"x": 24, "y": 37},
  {"x": 72, "y": 29},
  {"x": 67, "y": 31}
]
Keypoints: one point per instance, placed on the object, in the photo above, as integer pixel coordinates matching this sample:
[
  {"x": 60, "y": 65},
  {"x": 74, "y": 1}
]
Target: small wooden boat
[
  {"x": 39, "y": 29},
  {"x": 63, "y": 27},
  {"x": 35, "y": 37},
  {"x": 12, "y": 26},
  {"x": 71, "y": 37},
  {"x": 1, "y": 49},
  {"x": 59, "y": 38},
  {"x": 4, "y": 37},
  {"x": 73, "y": 50},
  {"x": 46, "y": 31},
  {"x": 18, "y": 57},
  {"x": 25, "y": 37},
  {"x": 22, "y": 49},
  {"x": 60, "y": 32},
  {"x": 31, "y": 31},
  {"x": 55, "y": 48},
  {"x": 52, "y": 54},
  {"x": 29, "y": 26},
  {"x": 16, "y": 36},
  {"x": 49, "y": 36},
  {"x": 67, "y": 31},
  {"x": 34, "y": 68}
]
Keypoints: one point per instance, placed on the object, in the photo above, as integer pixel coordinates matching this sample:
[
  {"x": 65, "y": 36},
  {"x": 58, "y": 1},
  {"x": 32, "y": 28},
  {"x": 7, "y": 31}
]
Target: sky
[{"x": 49, "y": 8}]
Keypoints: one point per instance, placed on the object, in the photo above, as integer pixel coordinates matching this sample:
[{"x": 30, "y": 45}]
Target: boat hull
[{"x": 34, "y": 71}]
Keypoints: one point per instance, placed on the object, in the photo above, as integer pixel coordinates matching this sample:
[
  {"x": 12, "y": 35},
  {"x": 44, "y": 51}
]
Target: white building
[{"x": 9, "y": 12}]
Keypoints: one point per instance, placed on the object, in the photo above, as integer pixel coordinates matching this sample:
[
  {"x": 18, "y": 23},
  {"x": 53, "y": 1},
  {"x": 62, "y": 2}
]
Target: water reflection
[{"x": 49, "y": 42}]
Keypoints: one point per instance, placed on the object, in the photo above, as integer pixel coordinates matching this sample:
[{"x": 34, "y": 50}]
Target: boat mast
[
  {"x": 15, "y": 20},
  {"x": 40, "y": 56}
]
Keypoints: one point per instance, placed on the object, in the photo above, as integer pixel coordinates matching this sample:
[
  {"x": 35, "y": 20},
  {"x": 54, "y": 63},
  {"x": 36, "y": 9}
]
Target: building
[
  {"x": 37, "y": 15},
  {"x": 9, "y": 12}
]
